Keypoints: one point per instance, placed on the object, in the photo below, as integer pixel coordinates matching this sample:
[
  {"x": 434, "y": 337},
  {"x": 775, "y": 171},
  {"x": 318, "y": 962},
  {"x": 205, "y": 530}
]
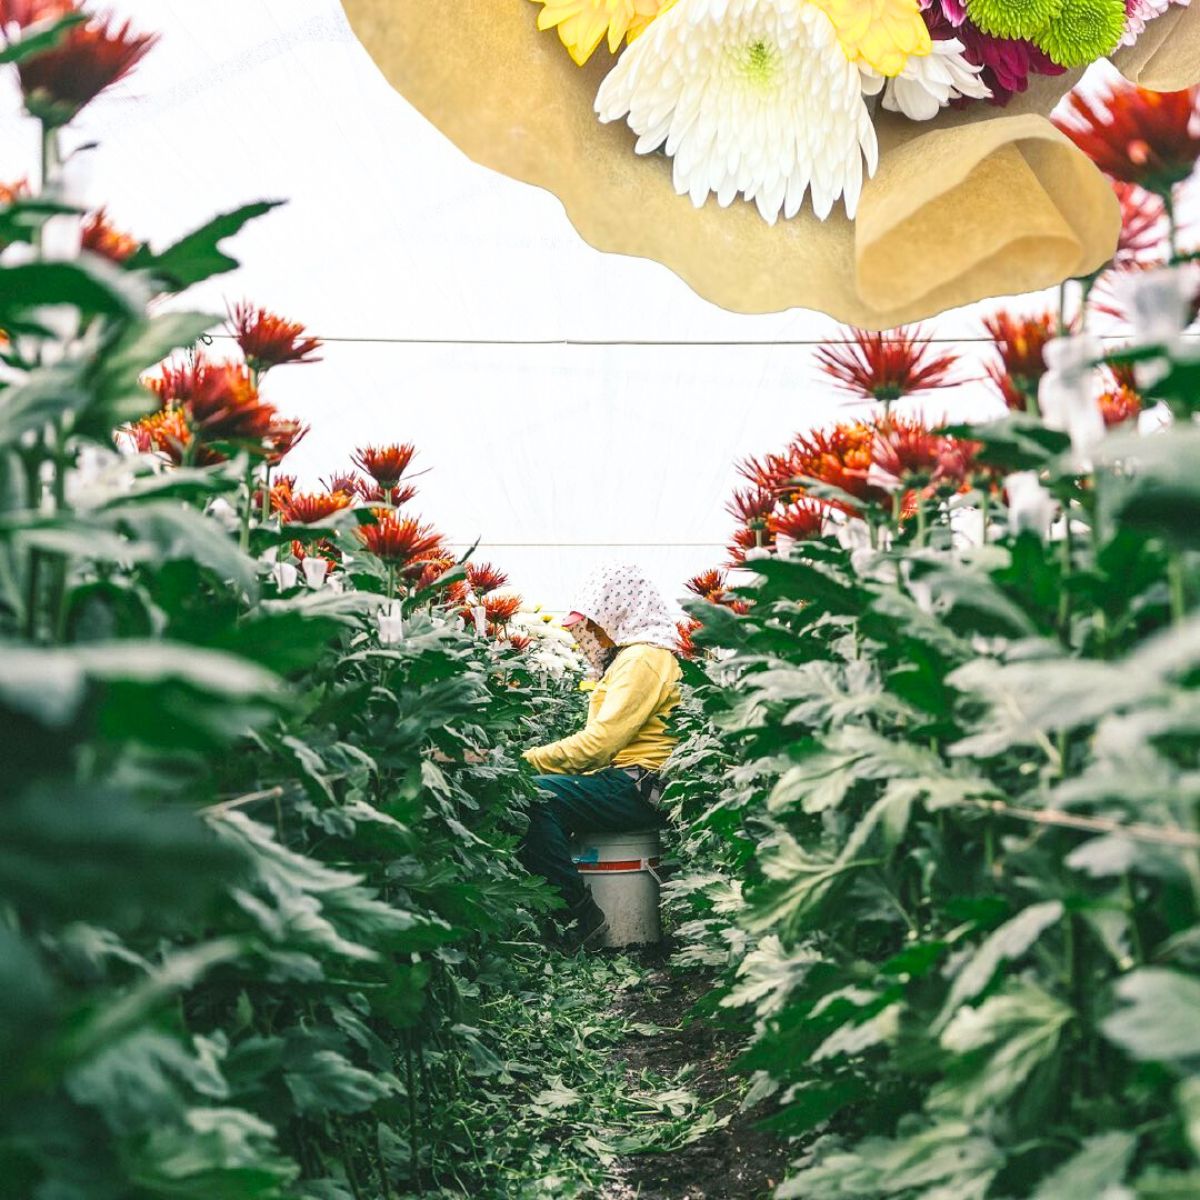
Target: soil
[{"x": 735, "y": 1162}]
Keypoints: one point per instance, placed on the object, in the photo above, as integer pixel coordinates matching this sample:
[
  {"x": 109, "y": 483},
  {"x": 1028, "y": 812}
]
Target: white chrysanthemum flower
[
  {"x": 750, "y": 97},
  {"x": 928, "y": 84}
]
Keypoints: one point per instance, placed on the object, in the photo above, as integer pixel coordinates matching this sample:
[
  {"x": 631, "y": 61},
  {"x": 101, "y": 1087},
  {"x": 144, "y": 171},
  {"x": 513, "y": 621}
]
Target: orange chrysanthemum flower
[
  {"x": 839, "y": 457},
  {"x": 385, "y": 464},
  {"x": 501, "y": 609},
  {"x": 91, "y": 56},
  {"x": 307, "y": 508},
  {"x": 886, "y": 366},
  {"x": 268, "y": 340},
  {"x": 1137, "y": 136},
  {"x": 169, "y": 433},
  {"x": 222, "y": 402},
  {"x": 519, "y": 642},
  {"x": 102, "y": 238}
]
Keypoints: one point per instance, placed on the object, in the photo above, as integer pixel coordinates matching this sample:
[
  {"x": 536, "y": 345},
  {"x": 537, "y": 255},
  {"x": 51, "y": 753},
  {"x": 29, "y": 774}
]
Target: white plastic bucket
[{"x": 621, "y": 871}]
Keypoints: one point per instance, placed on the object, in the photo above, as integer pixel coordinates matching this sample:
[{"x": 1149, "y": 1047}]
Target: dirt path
[{"x": 733, "y": 1162}]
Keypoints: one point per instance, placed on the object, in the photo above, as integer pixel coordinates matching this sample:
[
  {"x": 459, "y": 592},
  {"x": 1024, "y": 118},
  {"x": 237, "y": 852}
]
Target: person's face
[{"x": 599, "y": 634}]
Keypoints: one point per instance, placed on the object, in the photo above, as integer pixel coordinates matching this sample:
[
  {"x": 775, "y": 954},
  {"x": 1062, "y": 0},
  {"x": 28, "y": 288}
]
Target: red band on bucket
[{"x": 632, "y": 864}]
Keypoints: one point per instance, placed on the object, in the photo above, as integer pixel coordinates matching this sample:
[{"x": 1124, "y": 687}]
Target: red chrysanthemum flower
[
  {"x": 1143, "y": 225},
  {"x": 1021, "y": 342},
  {"x": 747, "y": 539},
  {"x": 397, "y": 496},
  {"x": 519, "y": 642},
  {"x": 751, "y": 507},
  {"x": 776, "y": 473},
  {"x": 400, "y": 540},
  {"x": 710, "y": 585},
  {"x": 90, "y": 56},
  {"x": 1119, "y": 405},
  {"x": 344, "y": 481},
  {"x": 324, "y": 550},
  {"x": 1137, "y": 136},
  {"x": 283, "y": 436},
  {"x": 686, "y": 631},
  {"x": 433, "y": 569},
  {"x": 307, "y": 508},
  {"x": 268, "y": 340},
  {"x": 501, "y": 609},
  {"x": 910, "y": 452},
  {"x": 222, "y": 402},
  {"x": 483, "y": 578},
  {"x": 886, "y": 366},
  {"x": 102, "y": 238},
  {"x": 800, "y": 521},
  {"x": 385, "y": 464}
]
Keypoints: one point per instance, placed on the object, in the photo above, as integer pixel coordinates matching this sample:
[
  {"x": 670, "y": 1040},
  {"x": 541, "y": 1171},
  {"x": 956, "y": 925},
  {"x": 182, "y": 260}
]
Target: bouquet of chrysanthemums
[{"x": 775, "y": 100}]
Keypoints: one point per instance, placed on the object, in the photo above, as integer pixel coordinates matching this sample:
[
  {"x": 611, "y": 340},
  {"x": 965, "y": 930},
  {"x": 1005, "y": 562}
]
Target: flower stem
[
  {"x": 1178, "y": 584},
  {"x": 985, "y": 512},
  {"x": 244, "y": 539},
  {"x": 1172, "y": 224}
]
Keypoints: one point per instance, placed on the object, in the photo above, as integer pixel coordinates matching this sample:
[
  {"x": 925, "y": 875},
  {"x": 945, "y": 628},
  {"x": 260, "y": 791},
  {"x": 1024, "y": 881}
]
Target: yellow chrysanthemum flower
[
  {"x": 883, "y": 34},
  {"x": 583, "y": 24}
]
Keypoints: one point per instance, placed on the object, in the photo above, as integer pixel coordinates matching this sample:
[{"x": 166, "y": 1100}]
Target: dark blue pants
[{"x": 607, "y": 802}]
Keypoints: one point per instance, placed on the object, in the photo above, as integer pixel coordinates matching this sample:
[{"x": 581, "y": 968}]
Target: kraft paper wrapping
[
  {"x": 981, "y": 202},
  {"x": 1166, "y": 57}
]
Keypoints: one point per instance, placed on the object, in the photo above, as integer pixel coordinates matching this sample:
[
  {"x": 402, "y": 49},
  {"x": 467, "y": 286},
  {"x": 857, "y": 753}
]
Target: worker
[{"x": 606, "y": 777}]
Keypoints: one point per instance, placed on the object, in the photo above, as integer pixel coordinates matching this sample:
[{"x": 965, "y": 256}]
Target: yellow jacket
[{"x": 627, "y": 718}]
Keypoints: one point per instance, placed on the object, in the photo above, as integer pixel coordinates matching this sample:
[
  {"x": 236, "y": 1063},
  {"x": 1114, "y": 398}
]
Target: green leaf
[
  {"x": 1101, "y": 1163},
  {"x": 38, "y": 40},
  {"x": 997, "y": 1047},
  {"x": 92, "y": 285},
  {"x": 199, "y": 256},
  {"x": 1005, "y": 944},
  {"x": 1160, "y": 1020}
]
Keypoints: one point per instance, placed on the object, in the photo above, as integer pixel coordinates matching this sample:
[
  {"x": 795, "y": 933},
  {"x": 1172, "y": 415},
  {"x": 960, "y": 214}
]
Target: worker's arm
[{"x": 636, "y": 689}]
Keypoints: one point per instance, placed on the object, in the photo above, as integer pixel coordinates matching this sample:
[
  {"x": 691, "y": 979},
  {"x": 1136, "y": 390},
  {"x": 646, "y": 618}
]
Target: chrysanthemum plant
[
  {"x": 251, "y": 852},
  {"x": 943, "y": 818}
]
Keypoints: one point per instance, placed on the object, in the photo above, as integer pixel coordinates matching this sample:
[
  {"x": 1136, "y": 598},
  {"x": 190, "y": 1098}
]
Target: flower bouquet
[{"x": 881, "y": 160}]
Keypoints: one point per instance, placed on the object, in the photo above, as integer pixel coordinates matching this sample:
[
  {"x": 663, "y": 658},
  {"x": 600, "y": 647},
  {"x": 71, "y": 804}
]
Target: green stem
[
  {"x": 985, "y": 511},
  {"x": 33, "y": 501},
  {"x": 922, "y": 522},
  {"x": 1172, "y": 225},
  {"x": 58, "y": 592},
  {"x": 1178, "y": 583},
  {"x": 266, "y": 493},
  {"x": 244, "y": 539},
  {"x": 1064, "y": 595}
]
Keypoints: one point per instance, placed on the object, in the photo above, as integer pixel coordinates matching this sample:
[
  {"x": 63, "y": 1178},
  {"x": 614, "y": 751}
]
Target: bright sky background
[{"x": 557, "y": 457}]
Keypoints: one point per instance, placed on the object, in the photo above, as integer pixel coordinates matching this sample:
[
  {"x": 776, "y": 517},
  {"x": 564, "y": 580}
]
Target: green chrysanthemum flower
[
  {"x": 1083, "y": 31},
  {"x": 1013, "y": 18}
]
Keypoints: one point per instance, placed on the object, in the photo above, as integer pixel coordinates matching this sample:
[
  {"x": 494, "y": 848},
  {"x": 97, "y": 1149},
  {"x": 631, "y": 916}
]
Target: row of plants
[
  {"x": 940, "y": 778},
  {"x": 261, "y": 919}
]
